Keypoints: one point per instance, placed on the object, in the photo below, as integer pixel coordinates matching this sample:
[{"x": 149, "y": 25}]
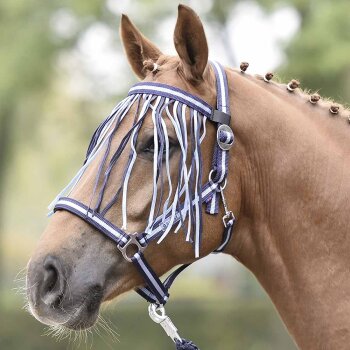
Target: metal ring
[
  {"x": 224, "y": 146},
  {"x": 210, "y": 175},
  {"x": 132, "y": 241},
  {"x": 223, "y": 187},
  {"x": 220, "y": 188}
]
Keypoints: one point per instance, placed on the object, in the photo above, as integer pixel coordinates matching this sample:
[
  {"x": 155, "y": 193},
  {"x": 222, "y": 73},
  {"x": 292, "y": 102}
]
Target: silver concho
[{"x": 224, "y": 146}]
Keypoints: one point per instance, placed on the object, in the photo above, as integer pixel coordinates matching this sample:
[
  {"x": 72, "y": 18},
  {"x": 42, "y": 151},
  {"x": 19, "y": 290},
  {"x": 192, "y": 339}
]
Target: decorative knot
[
  {"x": 150, "y": 66},
  {"x": 268, "y": 76},
  {"x": 334, "y": 109},
  {"x": 292, "y": 85},
  {"x": 243, "y": 66},
  {"x": 314, "y": 98}
]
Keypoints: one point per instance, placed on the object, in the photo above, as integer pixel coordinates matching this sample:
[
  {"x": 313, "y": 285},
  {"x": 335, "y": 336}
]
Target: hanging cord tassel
[{"x": 158, "y": 315}]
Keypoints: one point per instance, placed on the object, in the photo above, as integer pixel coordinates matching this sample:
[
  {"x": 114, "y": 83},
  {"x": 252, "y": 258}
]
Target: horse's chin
[{"x": 80, "y": 317}]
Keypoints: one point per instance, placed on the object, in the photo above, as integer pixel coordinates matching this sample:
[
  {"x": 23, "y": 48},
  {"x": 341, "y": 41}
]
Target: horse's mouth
[
  {"x": 84, "y": 317},
  {"x": 71, "y": 315}
]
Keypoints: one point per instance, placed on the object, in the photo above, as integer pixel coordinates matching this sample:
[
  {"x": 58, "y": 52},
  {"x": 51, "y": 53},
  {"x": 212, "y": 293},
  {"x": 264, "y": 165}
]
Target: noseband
[{"x": 186, "y": 203}]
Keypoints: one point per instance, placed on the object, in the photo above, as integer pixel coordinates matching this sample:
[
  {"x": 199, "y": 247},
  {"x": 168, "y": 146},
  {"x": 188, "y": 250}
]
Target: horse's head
[{"x": 75, "y": 268}]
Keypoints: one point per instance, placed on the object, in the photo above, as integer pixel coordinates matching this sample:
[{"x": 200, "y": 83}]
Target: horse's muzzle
[{"x": 51, "y": 299}]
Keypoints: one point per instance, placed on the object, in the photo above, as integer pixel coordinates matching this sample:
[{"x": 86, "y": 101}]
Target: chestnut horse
[{"x": 288, "y": 185}]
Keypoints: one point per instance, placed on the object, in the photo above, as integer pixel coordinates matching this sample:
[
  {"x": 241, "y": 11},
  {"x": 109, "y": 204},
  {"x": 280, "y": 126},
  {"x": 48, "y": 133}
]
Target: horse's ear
[
  {"x": 191, "y": 43},
  {"x": 137, "y": 47}
]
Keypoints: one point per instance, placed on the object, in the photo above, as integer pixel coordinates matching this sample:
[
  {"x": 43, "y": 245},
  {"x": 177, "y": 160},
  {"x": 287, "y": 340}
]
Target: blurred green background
[{"x": 62, "y": 69}]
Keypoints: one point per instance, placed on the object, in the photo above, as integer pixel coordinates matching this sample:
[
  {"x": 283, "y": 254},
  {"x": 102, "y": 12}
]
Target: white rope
[
  {"x": 167, "y": 167},
  {"x": 183, "y": 174},
  {"x": 155, "y": 164},
  {"x": 187, "y": 201},
  {"x": 174, "y": 204},
  {"x": 133, "y": 159},
  {"x": 197, "y": 204},
  {"x": 204, "y": 128}
]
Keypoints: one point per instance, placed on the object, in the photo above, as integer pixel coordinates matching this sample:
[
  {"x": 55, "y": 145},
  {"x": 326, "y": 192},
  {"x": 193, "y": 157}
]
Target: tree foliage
[{"x": 319, "y": 55}]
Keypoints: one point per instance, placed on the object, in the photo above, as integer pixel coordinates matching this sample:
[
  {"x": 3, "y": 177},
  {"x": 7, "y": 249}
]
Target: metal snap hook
[
  {"x": 158, "y": 315},
  {"x": 228, "y": 213},
  {"x": 227, "y": 218}
]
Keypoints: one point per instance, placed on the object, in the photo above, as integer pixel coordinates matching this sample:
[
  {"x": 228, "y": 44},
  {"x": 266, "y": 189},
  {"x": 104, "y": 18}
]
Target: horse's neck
[{"x": 293, "y": 225}]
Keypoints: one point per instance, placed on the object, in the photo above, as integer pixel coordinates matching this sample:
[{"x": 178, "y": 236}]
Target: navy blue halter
[{"x": 155, "y": 291}]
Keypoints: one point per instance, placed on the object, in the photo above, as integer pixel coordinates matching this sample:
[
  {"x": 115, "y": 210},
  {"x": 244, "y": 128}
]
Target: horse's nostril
[
  {"x": 50, "y": 278},
  {"x": 53, "y": 285}
]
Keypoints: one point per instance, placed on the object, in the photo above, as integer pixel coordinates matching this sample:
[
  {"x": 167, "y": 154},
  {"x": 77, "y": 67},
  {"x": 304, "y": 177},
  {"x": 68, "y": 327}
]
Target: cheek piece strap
[{"x": 158, "y": 97}]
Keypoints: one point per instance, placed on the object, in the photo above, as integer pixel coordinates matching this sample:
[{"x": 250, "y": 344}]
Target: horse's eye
[{"x": 147, "y": 149}]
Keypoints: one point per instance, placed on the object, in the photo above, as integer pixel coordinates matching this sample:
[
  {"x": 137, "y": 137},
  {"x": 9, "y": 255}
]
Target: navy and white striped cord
[
  {"x": 153, "y": 282},
  {"x": 146, "y": 292}
]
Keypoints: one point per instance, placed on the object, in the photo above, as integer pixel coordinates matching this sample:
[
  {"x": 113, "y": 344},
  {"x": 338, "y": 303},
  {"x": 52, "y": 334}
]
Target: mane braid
[{"x": 344, "y": 111}]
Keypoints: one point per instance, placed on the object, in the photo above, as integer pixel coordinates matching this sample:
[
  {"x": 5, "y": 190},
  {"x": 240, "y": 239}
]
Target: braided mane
[{"x": 305, "y": 94}]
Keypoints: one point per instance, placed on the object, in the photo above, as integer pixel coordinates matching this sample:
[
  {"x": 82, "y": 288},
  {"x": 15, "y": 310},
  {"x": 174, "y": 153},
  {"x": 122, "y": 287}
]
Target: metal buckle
[
  {"x": 224, "y": 146},
  {"x": 132, "y": 241},
  {"x": 158, "y": 315}
]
